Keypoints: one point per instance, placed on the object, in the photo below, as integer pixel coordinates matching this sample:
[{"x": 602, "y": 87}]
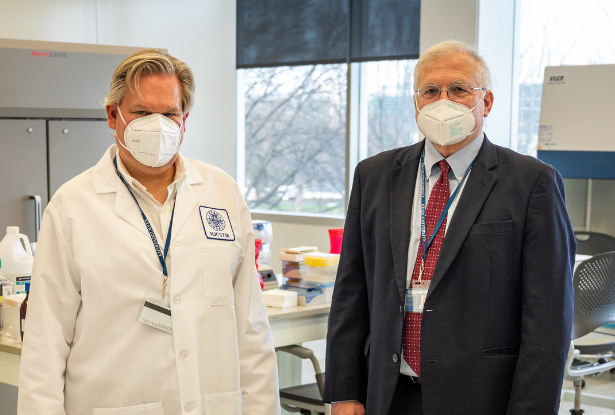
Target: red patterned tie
[{"x": 437, "y": 201}]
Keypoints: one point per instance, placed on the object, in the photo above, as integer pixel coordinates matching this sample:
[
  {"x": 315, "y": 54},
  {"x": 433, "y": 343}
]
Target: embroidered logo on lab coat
[{"x": 217, "y": 224}]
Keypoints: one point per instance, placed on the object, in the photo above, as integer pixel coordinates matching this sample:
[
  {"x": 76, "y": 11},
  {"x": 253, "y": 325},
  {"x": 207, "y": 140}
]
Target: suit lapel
[
  {"x": 477, "y": 189},
  {"x": 403, "y": 180}
]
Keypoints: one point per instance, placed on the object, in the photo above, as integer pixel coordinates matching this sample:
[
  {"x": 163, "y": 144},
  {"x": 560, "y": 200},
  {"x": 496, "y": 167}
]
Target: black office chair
[
  {"x": 592, "y": 349},
  {"x": 305, "y": 399},
  {"x": 594, "y": 243}
]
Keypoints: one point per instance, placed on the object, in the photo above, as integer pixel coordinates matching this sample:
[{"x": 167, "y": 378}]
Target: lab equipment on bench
[
  {"x": 270, "y": 282},
  {"x": 17, "y": 260},
  {"x": 577, "y": 139},
  {"x": 263, "y": 230},
  {"x": 11, "y": 316}
]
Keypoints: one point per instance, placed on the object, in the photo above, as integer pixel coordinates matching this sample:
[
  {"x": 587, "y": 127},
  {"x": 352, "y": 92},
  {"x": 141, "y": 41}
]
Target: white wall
[
  {"x": 448, "y": 19},
  {"x": 199, "y": 32}
]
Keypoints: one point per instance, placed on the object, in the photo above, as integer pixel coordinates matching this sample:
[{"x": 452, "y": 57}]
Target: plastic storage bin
[{"x": 320, "y": 268}]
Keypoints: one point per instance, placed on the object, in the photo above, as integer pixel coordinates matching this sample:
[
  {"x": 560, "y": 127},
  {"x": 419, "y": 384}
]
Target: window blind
[{"x": 309, "y": 32}]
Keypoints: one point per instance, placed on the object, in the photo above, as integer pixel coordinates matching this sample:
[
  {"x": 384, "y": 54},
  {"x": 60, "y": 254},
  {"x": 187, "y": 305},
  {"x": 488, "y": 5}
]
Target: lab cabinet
[
  {"x": 39, "y": 156},
  {"x": 74, "y": 147},
  {"x": 23, "y": 172}
]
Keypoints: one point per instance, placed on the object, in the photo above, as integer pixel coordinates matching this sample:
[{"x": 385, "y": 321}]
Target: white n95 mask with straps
[
  {"x": 446, "y": 122},
  {"x": 152, "y": 140}
]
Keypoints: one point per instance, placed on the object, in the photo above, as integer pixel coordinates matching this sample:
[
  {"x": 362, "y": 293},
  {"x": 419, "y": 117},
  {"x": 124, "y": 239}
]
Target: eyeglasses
[{"x": 455, "y": 92}]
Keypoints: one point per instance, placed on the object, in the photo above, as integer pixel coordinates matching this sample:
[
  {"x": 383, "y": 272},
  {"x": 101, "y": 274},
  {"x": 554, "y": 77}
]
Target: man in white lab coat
[{"x": 145, "y": 298}]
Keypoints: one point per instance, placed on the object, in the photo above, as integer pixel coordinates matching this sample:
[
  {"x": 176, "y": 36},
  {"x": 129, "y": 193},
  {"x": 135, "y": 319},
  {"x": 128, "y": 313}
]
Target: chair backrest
[
  {"x": 594, "y": 243},
  {"x": 594, "y": 294}
]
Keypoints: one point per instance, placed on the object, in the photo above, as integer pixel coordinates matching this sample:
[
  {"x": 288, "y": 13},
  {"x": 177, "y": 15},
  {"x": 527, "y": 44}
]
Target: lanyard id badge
[
  {"x": 156, "y": 314},
  {"x": 416, "y": 296},
  {"x": 162, "y": 256}
]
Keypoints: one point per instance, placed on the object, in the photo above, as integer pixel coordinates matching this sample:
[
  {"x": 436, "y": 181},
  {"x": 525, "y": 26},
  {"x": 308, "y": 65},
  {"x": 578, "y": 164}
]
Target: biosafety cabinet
[
  {"x": 52, "y": 121},
  {"x": 577, "y": 137}
]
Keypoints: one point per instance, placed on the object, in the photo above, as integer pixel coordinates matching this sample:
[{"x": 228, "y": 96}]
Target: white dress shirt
[{"x": 459, "y": 162}]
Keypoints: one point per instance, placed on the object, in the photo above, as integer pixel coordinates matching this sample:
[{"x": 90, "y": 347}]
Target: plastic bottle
[
  {"x": 16, "y": 261},
  {"x": 6, "y": 288}
]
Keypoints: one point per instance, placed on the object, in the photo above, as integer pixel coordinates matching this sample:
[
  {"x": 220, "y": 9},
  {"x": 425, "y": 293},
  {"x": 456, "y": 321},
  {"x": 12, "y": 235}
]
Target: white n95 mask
[
  {"x": 446, "y": 122},
  {"x": 152, "y": 140}
]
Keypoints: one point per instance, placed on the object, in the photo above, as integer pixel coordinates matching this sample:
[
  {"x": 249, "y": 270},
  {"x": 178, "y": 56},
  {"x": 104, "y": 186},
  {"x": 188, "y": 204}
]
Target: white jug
[{"x": 15, "y": 261}]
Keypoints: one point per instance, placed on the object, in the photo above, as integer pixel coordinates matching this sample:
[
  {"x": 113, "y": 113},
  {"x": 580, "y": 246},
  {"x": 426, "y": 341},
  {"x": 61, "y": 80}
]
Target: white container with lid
[
  {"x": 280, "y": 298},
  {"x": 16, "y": 259}
]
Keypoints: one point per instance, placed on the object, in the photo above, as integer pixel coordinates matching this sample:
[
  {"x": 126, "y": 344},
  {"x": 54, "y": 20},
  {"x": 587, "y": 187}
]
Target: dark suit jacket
[{"x": 496, "y": 327}]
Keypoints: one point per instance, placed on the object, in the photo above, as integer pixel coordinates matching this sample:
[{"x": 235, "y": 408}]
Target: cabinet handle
[{"x": 38, "y": 215}]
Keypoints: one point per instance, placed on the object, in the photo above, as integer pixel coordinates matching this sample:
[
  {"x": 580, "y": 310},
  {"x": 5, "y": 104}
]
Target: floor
[{"x": 603, "y": 385}]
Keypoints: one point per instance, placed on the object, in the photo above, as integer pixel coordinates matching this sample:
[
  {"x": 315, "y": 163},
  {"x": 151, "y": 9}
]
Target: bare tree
[{"x": 295, "y": 138}]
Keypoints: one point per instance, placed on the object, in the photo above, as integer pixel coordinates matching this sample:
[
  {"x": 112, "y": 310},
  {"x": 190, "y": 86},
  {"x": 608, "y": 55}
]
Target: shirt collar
[
  {"x": 180, "y": 175},
  {"x": 459, "y": 161}
]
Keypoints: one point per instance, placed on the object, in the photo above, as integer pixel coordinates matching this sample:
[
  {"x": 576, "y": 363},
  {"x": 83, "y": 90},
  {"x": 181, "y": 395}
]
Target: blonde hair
[
  {"x": 149, "y": 62},
  {"x": 452, "y": 48}
]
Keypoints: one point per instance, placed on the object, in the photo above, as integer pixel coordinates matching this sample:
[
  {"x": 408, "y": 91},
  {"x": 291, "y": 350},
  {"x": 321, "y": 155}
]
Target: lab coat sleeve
[
  {"x": 257, "y": 360},
  {"x": 52, "y": 310},
  {"x": 547, "y": 299}
]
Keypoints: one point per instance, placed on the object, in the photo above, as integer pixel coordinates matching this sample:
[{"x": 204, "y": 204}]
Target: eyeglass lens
[{"x": 456, "y": 92}]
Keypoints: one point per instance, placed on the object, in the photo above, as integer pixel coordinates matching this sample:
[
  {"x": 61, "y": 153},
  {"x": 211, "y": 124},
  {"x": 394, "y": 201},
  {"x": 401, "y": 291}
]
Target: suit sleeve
[
  {"x": 346, "y": 375},
  {"x": 547, "y": 299},
  {"x": 257, "y": 360},
  {"x": 52, "y": 312}
]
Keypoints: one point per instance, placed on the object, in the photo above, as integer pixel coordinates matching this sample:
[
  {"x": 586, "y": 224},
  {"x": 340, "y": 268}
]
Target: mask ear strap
[
  {"x": 416, "y": 103},
  {"x": 485, "y": 93},
  {"x": 120, "y": 141},
  {"x": 121, "y": 116}
]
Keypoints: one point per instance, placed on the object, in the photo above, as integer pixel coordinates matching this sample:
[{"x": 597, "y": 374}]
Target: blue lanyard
[
  {"x": 424, "y": 241},
  {"x": 162, "y": 258}
]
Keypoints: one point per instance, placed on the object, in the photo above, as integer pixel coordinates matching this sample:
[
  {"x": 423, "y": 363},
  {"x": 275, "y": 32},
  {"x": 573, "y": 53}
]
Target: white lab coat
[{"x": 85, "y": 352}]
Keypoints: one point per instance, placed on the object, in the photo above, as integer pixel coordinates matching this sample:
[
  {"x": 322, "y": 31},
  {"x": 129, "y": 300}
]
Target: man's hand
[{"x": 347, "y": 408}]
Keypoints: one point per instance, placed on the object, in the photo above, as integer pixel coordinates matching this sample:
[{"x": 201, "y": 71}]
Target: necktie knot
[{"x": 444, "y": 166}]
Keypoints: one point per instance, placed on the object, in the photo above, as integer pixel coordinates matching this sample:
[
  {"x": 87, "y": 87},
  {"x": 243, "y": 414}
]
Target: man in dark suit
[{"x": 454, "y": 290}]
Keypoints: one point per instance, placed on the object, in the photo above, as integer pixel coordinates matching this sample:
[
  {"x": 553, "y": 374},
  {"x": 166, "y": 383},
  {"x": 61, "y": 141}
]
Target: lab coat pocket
[
  {"x": 223, "y": 403},
  {"x": 219, "y": 264},
  {"x": 145, "y": 409}
]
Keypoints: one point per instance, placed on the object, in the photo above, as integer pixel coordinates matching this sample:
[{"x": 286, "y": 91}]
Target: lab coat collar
[{"x": 107, "y": 181}]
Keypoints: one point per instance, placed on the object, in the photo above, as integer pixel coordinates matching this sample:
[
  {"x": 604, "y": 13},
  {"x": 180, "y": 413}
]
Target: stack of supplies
[
  {"x": 310, "y": 273},
  {"x": 292, "y": 261}
]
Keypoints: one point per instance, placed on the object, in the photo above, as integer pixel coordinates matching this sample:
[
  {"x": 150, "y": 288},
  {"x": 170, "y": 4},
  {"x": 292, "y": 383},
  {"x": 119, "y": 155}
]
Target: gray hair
[
  {"x": 150, "y": 62},
  {"x": 451, "y": 48}
]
